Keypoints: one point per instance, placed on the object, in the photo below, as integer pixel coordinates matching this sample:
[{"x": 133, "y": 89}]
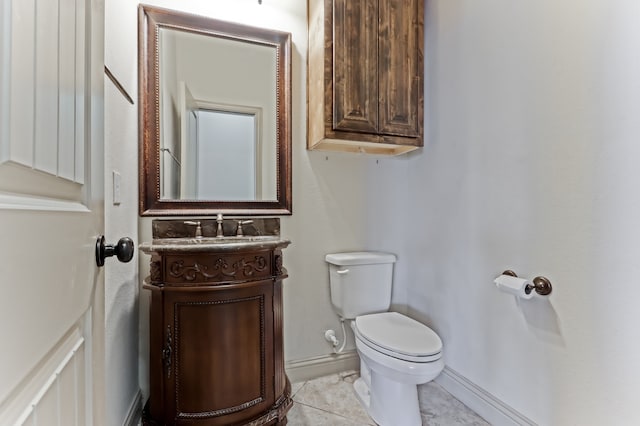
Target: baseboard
[
  {"x": 134, "y": 415},
  {"x": 311, "y": 368},
  {"x": 482, "y": 402}
]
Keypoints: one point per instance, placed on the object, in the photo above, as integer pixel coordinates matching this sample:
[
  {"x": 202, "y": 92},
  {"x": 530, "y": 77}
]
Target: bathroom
[{"x": 529, "y": 163}]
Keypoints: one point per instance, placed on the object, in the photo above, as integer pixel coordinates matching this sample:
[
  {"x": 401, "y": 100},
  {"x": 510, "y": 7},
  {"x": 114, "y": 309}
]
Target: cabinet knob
[{"x": 123, "y": 250}]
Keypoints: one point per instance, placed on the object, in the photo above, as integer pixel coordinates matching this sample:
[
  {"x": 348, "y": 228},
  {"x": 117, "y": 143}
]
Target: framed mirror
[{"x": 215, "y": 116}]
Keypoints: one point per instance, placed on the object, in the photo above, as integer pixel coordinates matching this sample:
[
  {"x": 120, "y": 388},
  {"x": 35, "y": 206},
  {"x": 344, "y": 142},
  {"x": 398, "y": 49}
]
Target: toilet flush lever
[{"x": 343, "y": 271}]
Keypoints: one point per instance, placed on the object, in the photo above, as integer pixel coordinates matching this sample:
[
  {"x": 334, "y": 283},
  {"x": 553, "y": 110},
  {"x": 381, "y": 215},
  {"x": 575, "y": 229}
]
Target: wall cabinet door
[
  {"x": 219, "y": 353},
  {"x": 400, "y": 68},
  {"x": 355, "y": 70},
  {"x": 366, "y": 72}
]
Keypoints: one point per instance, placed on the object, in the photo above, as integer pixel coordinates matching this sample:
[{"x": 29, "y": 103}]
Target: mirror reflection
[
  {"x": 214, "y": 117},
  {"x": 218, "y": 135}
]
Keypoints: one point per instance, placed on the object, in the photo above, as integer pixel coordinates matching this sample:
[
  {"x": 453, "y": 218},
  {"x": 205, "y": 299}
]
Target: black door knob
[{"x": 123, "y": 250}]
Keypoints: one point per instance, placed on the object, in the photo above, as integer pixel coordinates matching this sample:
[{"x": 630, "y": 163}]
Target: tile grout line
[
  {"x": 333, "y": 413},
  {"x": 301, "y": 387}
]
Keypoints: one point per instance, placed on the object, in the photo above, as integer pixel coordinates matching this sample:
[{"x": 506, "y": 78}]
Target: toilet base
[
  {"x": 362, "y": 392},
  {"x": 389, "y": 403}
]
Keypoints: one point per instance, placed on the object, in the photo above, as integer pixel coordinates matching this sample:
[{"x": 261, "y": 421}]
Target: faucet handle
[
  {"x": 239, "y": 232},
  {"x": 197, "y": 225}
]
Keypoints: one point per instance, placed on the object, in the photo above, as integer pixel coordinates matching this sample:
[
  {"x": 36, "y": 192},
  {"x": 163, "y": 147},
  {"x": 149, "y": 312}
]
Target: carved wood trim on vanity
[
  {"x": 189, "y": 270},
  {"x": 155, "y": 269}
]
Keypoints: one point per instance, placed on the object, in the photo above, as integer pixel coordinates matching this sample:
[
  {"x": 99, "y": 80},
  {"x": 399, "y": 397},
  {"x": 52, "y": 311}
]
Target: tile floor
[{"x": 331, "y": 401}]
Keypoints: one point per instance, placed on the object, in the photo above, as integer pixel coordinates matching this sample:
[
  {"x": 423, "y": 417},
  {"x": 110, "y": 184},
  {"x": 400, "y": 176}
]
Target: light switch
[{"x": 116, "y": 188}]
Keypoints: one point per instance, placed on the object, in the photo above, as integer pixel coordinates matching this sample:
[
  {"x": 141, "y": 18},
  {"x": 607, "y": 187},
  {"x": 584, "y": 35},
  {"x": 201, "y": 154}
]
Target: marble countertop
[{"x": 214, "y": 244}]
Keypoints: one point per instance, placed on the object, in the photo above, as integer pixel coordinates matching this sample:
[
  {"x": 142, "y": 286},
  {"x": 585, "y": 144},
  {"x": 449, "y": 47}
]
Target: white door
[{"x": 51, "y": 212}]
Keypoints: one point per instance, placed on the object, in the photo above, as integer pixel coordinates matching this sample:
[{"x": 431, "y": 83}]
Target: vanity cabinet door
[{"x": 221, "y": 368}]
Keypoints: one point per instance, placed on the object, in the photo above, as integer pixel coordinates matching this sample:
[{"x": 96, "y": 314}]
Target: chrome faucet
[
  {"x": 239, "y": 232},
  {"x": 198, "y": 227},
  {"x": 219, "y": 232}
]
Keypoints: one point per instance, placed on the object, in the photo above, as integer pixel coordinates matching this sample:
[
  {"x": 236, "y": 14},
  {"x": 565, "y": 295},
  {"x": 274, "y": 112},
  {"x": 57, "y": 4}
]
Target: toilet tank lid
[{"x": 360, "y": 258}]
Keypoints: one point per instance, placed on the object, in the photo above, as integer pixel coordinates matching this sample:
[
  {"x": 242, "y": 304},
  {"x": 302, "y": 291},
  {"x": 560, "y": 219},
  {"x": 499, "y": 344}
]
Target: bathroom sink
[{"x": 214, "y": 243}]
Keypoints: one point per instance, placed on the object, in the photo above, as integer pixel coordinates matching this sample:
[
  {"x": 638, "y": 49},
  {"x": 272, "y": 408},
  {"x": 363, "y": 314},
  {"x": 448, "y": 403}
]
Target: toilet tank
[{"x": 360, "y": 282}]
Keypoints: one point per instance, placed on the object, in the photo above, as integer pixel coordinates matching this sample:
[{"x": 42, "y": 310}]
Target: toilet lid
[{"x": 399, "y": 334}]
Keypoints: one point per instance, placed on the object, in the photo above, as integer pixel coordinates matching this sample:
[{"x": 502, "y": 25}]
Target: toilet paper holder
[{"x": 541, "y": 284}]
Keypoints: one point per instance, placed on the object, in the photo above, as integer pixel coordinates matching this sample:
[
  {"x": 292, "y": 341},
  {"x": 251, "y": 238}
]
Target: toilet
[{"x": 396, "y": 352}]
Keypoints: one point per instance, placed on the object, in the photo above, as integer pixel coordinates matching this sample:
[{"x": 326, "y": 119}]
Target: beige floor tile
[
  {"x": 334, "y": 394},
  {"x": 303, "y": 415},
  {"x": 439, "y": 408},
  {"x": 295, "y": 387},
  {"x": 331, "y": 401}
]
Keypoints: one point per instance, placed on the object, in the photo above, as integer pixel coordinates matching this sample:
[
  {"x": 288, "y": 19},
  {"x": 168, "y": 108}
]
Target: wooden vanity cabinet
[
  {"x": 216, "y": 344},
  {"x": 365, "y": 75}
]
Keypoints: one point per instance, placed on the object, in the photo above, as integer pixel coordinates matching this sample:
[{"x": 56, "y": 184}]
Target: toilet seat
[{"x": 398, "y": 336}]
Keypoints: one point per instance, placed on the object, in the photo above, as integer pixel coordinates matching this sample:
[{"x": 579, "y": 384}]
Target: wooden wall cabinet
[
  {"x": 216, "y": 342},
  {"x": 365, "y": 75}
]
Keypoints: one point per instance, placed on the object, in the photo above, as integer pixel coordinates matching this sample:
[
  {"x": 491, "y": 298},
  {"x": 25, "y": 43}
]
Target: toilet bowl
[{"x": 396, "y": 352}]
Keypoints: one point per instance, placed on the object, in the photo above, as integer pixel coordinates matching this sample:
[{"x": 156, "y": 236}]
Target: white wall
[
  {"x": 121, "y": 147},
  {"x": 531, "y": 164},
  {"x": 121, "y": 279}
]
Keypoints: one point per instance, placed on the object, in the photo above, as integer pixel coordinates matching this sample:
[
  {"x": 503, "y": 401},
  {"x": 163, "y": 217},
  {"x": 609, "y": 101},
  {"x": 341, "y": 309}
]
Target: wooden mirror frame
[{"x": 150, "y": 21}]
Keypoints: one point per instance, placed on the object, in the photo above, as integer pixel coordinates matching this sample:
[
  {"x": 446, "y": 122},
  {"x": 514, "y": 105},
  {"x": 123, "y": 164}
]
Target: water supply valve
[{"x": 330, "y": 336}]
